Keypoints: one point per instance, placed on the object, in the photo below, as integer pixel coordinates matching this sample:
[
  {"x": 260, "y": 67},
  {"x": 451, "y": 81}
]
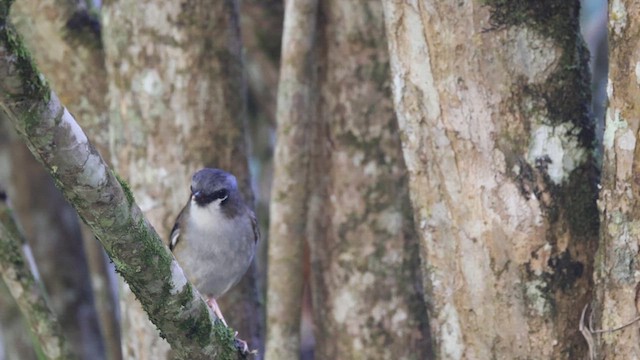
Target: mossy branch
[
  {"x": 58, "y": 142},
  {"x": 27, "y": 292}
]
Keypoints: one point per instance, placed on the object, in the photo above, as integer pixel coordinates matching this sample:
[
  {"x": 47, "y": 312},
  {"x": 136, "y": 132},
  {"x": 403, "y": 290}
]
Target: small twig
[
  {"x": 588, "y": 331},
  {"x": 587, "y": 334}
]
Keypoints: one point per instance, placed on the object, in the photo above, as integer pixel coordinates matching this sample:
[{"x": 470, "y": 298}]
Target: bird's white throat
[{"x": 208, "y": 216}]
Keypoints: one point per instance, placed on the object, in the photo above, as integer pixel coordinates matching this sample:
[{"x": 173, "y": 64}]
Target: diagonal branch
[
  {"x": 106, "y": 204},
  {"x": 26, "y": 290}
]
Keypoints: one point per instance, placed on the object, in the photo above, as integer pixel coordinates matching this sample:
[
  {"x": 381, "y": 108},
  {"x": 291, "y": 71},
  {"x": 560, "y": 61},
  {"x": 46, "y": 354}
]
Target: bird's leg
[
  {"x": 241, "y": 344},
  {"x": 216, "y": 309}
]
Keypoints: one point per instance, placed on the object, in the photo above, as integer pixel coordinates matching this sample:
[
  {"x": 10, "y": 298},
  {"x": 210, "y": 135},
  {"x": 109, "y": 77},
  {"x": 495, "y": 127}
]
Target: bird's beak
[{"x": 195, "y": 195}]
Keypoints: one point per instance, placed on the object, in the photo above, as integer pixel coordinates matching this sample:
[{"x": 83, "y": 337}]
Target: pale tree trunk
[
  {"x": 492, "y": 101},
  {"x": 617, "y": 275},
  {"x": 290, "y": 191},
  {"x": 367, "y": 301},
  {"x": 177, "y": 104}
]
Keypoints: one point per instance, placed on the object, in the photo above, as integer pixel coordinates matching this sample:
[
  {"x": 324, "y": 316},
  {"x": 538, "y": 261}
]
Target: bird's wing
[
  {"x": 175, "y": 232},
  {"x": 256, "y": 228},
  {"x": 175, "y": 236}
]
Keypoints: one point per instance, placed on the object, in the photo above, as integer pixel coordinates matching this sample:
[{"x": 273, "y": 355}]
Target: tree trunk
[
  {"x": 105, "y": 203},
  {"x": 363, "y": 243},
  {"x": 492, "y": 101},
  {"x": 617, "y": 269},
  {"x": 177, "y": 104},
  {"x": 290, "y": 191}
]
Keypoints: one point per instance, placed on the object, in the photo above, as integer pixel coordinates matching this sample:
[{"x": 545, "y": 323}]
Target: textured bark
[
  {"x": 14, "y": 336},
  {"x": 52, "y": 229},
  {"x": 177, "y": 104},
  {"x": 617, "y": 272},
  {"x": 24, "y": 288},
  {"x": 15, "y": 339},
  {"x": 363, "y": 243},
  {"x": 492, "y": 100},
  {"x": 64, "y": 38},
  {"x": 290, "y": 191},
  {"x": 107, "y": 205}
]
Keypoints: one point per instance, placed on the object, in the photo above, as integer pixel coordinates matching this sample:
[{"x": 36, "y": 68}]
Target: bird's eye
[{"x": 221, "y": 194}]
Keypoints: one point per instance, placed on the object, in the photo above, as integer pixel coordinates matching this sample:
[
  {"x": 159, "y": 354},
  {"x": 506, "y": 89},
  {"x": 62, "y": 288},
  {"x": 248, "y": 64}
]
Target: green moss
[
  {"x": 5, "y": 6},
  {"x": 564, "y": 97},
  {"x": 154, "y": 251},
  {"x": 226, "y": 337},
  {"x": 186, "y": 296},
  {"x": 579, "y": 201},
  {"x": 200, "y": 330},
  {"x": 9, "y": 247},
  {"x": 552, "y": 18},
  {"x": 125, "y": 187},
  {"x": 566, "y": 94},
  {"x": 40, "y": 355},
  {"x": 34, "y": 86}
]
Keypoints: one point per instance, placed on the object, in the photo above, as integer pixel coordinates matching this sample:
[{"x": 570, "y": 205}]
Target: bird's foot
[{"x": 241, "y": 345}]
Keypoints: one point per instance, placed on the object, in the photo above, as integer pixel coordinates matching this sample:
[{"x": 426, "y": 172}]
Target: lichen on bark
[{"x": 481, "y": 106}]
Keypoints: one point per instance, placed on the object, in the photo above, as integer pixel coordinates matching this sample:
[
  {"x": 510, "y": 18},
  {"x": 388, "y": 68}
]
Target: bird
[{"x": 215, "y": 235}]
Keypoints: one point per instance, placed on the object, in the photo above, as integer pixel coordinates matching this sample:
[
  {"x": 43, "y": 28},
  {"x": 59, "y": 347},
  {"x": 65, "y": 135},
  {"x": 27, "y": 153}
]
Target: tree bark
[
  {"x": 617, "y": 276},
  {"x": 14, "y": 335},
  {"x": 290, "y": 190},
  {"x": 64, "y": 38},
  {"x": 107, "y": 205},
  {"x": 492, "y": 101},
  {"x": 15, "y": 338},
  {"x": 363, "y": 243},
  {"x": 52, "y": 229},
  {"x": 26, "y": 290},
  {"x": 177, "y": 104}
]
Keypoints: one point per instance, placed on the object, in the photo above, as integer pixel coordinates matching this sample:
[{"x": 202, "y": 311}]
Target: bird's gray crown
[{"x": 211, "y": 184}]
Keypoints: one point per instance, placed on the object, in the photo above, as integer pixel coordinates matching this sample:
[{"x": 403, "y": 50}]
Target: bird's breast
[{"x": 217, "y": 249}]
